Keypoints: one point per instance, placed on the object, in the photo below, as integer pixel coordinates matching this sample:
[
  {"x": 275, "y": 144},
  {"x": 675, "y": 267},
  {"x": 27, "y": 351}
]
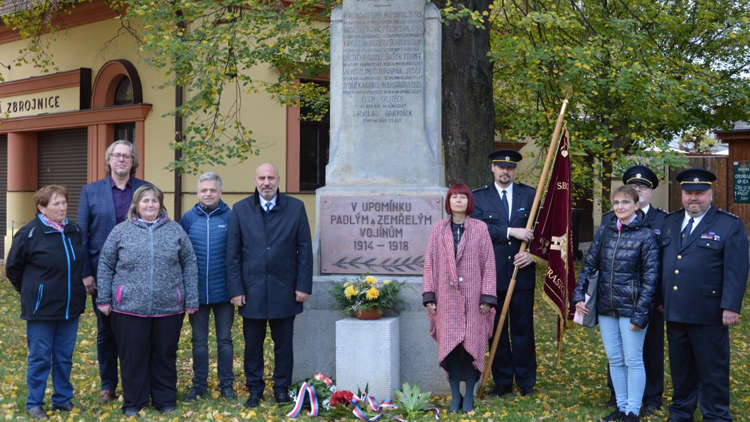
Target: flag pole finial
[{"x": 568, "y": 92}]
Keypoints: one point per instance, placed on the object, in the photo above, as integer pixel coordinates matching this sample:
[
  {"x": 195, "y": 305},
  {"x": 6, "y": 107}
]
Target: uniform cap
[
  {"x": 641, "y": 175},
  {"x": 505, "y": 157},
  {"x": 695, "y": 179}
]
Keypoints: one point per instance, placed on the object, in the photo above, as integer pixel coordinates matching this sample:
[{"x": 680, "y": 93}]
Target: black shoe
[
  {"x": 632, "y": 417},
  {"x": 194, "y": 393},
  {"x": 228, "y": 392},
  {"x": 167, "y": 410},
  {"x": 617, "y": 415},
  {"x": 650, "y": 409},
  {"x": 253, "y": 400},
  {"x": 282, "y": 397},
  {"x": 527, "y": 391},
  {"x": 67, "y": 407},
  {"x": 132, "y": 412},
  {"x": 37, "y": 412},
  {"x": 500, "y": 391}
]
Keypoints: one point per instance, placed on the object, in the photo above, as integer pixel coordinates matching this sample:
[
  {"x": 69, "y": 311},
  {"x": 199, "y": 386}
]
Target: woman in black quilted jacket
[{"x": 628, "y": 276}]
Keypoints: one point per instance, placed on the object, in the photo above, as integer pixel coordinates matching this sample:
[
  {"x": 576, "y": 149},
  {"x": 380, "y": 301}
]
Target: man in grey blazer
[{"x": 103, "y": 205}]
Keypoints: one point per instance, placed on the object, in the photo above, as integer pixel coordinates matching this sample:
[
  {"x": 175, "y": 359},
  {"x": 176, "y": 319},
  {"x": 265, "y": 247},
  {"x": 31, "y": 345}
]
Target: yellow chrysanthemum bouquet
[{"x": 366, "y": 293}]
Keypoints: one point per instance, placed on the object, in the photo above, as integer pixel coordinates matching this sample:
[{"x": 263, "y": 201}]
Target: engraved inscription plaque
[
  {"x": 376, "y": 234},
  {"x": 385, "y": 94},
  {"x": 383, "y": 75}
]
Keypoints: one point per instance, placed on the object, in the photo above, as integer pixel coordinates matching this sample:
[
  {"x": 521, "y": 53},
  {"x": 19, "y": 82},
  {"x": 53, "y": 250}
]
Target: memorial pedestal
[{"x": 367, "y": 353}]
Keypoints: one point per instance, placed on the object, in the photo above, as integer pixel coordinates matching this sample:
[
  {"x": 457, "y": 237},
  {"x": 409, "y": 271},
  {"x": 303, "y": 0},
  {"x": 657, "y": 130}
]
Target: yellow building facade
[{"x": 55, "y": 127}]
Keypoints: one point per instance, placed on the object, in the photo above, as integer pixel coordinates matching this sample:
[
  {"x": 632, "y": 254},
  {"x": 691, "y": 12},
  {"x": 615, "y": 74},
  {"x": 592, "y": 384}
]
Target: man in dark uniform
[
  {"x": 704, "y": 275},
  {"x": 505, "y": 207},
  {"x": 644, "y": 181}
]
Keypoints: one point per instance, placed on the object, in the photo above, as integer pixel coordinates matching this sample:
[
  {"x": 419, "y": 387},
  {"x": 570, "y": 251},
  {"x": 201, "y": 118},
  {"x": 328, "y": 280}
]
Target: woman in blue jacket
[
  {"x": 628, "y": 268},
  {"x": 44, "y": 265}
]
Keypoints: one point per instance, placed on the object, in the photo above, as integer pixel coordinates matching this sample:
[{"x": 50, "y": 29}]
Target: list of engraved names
[{"x": 383, "y": 64}]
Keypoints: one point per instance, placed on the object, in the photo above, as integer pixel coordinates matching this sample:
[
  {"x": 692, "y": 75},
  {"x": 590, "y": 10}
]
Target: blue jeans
[
  {"x": 51, "y": 345},
  {"x": 223, "y": 319},
  {"x": 624, "y": 348}
]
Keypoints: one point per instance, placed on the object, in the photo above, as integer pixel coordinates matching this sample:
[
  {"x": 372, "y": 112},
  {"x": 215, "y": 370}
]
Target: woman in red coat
[{"x": 458, "y": 290}]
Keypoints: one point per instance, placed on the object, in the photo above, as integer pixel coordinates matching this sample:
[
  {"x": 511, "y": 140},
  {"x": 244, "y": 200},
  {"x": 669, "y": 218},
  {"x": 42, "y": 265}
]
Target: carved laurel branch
[{"x": 412, "y": 263}]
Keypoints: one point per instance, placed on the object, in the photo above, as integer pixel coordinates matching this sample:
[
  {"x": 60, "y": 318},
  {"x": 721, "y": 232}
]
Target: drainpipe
[
  {"x": 177, "y": 155},
  {"x": 178, "y": 137}
]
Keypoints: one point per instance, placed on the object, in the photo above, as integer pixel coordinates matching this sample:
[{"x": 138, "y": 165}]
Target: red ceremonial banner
[{"x": 553, "y": 239}]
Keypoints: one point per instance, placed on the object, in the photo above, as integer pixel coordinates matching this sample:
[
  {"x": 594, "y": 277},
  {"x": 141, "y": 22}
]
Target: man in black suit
[
  {"x": 704, "y": 274},
  {"x": 505, "y": 207},
  {"x": 269, "y": 275},
  {"x": 103, "y": 205},
  {"x": 644, "y": 181}
]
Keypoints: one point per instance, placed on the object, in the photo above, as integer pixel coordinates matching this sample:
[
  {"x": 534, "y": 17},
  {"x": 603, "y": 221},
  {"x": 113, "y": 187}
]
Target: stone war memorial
[{"x": 385, "y": 190}]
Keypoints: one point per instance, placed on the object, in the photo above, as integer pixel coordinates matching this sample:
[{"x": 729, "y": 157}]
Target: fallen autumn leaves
[{"x": 576, "y": 391}]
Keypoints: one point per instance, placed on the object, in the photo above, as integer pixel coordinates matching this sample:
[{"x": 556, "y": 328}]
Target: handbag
[{"x": 592, "y": 283}]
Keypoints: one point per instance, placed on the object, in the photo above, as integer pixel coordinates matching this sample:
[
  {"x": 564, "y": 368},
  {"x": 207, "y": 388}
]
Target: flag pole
[{"x": 529, "y": 225}]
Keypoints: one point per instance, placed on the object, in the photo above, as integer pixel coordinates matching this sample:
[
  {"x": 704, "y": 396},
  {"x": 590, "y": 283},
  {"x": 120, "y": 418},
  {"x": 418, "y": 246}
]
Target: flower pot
[{"x": 369, "y": 314}]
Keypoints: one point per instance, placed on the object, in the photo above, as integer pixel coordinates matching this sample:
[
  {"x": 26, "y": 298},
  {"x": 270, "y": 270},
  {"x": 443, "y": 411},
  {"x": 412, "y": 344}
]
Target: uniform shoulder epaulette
[
  {"x": 661, "y": 210},
  {"x": 677, "y": 211},
  {"x": 481, "y": 188},
  {"x": 725, "y": 212}
]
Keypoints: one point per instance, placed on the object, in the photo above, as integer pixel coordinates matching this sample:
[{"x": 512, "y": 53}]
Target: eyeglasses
[
  {"x": 639, "y": 187},
  {"x": 618, "y": 203},
  {"x": 124, "y": 157}
]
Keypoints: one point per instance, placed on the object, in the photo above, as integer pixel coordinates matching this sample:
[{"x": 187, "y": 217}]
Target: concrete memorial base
[
  {"x": 315, "y": 340},
  {"x": 367, "y": 355}
]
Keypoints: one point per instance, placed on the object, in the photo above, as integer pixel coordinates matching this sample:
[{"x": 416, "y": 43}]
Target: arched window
[{"x": 124, "y": 92}]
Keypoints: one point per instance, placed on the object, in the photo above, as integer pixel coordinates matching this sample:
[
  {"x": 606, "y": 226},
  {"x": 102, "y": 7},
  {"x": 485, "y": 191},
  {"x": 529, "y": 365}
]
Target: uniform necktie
[
  {"x": 505, "y": 204},
  {"x": 686, "y": 232},
  {"x": 268, "y": 207}
]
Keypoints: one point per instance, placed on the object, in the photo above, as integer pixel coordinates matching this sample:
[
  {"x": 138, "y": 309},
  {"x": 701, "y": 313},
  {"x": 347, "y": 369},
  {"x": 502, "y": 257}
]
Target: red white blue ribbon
[
  {"x": 376, "y": 407},
  {"x": 309, "y": 390}
]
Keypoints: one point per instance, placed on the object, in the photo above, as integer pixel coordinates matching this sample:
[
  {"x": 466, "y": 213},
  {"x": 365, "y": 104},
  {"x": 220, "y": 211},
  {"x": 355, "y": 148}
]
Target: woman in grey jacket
[{"x": 148, "y": 278}]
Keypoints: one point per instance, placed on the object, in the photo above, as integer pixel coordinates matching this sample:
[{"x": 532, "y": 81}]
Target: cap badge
[
  {"x": 696, "y": 180},
  {"x": 638, "y": 175},
  {"x": 507, "y": 158}
]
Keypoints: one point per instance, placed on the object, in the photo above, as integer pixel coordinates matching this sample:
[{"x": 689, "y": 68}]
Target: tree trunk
[{"x": 468, "y": 110}]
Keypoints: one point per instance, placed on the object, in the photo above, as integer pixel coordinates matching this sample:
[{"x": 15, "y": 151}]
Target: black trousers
[
  {"x": 516, "y": 352},
  {"x": 653, "y": 361},
  {"x": 699, "y": 360},
  {"x": 148, "y": 359},
  {"x": 106, "y": 348},
  {"x": 282, "y": 333}
]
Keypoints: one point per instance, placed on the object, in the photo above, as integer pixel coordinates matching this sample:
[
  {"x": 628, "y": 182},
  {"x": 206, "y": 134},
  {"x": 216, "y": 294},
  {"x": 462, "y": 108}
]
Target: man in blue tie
[
  {"x": 505, "y": 207},
  {"x": 269, "y": 275},
  {"x": 704, "y": 274}
]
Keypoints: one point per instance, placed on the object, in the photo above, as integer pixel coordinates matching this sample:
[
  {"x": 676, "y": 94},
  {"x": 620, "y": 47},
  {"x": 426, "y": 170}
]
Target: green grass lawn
[{"x": 574, "y": 391}]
